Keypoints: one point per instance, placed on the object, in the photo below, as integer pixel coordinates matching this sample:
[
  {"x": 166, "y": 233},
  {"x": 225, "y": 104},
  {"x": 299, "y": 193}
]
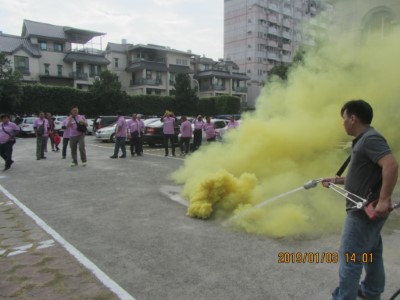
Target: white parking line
[{"x": 107, "y": 281}]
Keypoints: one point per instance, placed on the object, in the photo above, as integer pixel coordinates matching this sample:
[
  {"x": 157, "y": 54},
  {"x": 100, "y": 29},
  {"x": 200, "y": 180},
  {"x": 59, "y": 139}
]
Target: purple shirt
[
  {"x": 120, "y": 129},
  {"x": 168, "y": 125},
  {"x": 198, "y": 124},
  {"x": 67, "y": 130},
  {"x": 186, "y": 129},
  {"x": 233, "y": 124},
  {"x": 39, "y": 122},
  {"x": 133, "y": 125},
  {"x": 73, "y": 130},
  {"x": 209, "y": 130},
  {"x": 11, "y": 128}
]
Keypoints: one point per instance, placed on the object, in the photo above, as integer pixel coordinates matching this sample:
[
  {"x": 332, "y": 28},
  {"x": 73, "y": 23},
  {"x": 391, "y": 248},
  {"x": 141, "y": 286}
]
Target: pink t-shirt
[
  {"x": 74, "y": 128},
  {"x": 209, "y": 130},
  {"x": 67, "y": 130},
  {"x": 11, "y": 128},
  {"x": 233, "y": 124},
  {"x": 120, "y": 129},
  {"x": 39, "y": 122},
  {"x": 168, "y": 125},
  {"x": 186, "y": 129},
  {"x": 198, "y": 124},
  {"x": 133, "y": 125}
]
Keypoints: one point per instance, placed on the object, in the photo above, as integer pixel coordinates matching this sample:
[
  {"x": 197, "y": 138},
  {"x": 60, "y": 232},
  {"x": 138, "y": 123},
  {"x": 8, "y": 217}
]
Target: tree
[
  {"x": 10, "y": 86},
  {"x": 281, "y": 70},
  {"x": 107, "y": 96},
  {"x": 185, "y": 97}
]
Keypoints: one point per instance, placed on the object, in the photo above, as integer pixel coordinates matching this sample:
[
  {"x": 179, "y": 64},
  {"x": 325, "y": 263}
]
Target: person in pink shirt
[
  {"x": 198, "y": 124},
  {"x": 209, "y": 129},
  {"x": 186, "y": 135},
  {"x": 8, "y": 131},
  {"x": 40, "y": 125},
  {"x": 120, "y": 136},
  {"x": 141, "y": 133},
  {"x": 77, "y": 127},
  {"x": 232, "y": 123},
  {"x": 134, "y": 131},
  {"x": 169, "y": 131}
]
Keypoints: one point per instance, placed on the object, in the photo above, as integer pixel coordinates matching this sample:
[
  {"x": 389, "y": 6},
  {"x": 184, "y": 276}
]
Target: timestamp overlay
[{"x": 307, "y": 257}]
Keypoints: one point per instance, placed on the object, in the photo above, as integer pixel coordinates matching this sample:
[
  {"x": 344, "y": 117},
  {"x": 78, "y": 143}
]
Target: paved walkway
[{"x": 34, "y": 266}]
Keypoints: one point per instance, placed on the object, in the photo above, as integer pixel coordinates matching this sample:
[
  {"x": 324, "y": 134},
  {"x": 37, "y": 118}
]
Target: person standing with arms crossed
[
  {"x": 77, "y": 125},
  {"x": 373, "y": 170},
  {"x": 120, "y": 136},
  {"x": 40, "y": 125},
  {"x": 8, "y": 131}
]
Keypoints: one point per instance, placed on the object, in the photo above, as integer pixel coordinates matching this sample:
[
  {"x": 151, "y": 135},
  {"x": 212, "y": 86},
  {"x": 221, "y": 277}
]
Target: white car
[
  {"x": 58, "y": 120},
  {"x": 220, "y": 129},
  {"x": 89, "y": 129},
  {"x": 26, "y": 126},
  {"x": 106, "y": 134}
]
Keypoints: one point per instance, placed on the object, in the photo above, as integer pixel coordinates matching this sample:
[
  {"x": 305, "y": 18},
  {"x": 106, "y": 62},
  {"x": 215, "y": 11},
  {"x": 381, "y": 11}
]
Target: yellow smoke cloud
[{"x": 296, "y": 135}]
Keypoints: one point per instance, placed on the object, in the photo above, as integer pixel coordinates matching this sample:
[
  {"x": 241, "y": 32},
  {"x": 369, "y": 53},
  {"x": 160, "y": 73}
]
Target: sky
[{"x": 195, "y": 25}]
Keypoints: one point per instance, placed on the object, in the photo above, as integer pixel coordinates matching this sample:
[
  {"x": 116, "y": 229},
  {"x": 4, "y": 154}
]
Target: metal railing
[{"x": 144, "y": 81}]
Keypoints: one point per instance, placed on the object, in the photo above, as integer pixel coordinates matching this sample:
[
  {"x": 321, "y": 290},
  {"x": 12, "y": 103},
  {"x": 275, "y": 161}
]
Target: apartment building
[
  {"x": 44, "y": 53},
  {"x": 151, "y": 69},
  {"x": 258, "y": 34}
]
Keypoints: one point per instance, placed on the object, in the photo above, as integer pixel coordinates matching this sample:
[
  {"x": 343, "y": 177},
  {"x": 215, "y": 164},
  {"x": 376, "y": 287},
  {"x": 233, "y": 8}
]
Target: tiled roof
[
  {"x": 86, "y": 58},
  {"x": 118, "y": 47},
  {"x": 11, "y": 43},
  {"x": 64, "y": 33}
]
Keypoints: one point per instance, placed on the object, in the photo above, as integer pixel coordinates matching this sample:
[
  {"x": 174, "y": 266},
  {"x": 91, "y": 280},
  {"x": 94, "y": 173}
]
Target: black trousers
[
  {"x": 185, "y": 143},
  {"x": 135, "y": 144},
  {"x": 171, "y": 138},
  {"x": 197, "y": 136},
  {"x": 6, "y": 150}
]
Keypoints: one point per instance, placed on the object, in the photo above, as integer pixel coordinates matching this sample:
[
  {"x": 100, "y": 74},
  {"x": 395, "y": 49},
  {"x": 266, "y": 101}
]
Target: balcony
[
  {"x": 273, "y": 19},
  {"x": 273, "y": 30},
  {"x": 273, "y": 6},
  {"x": 287, "y": 47},
  {"x": 212, "y": 87},
  {"x": 287, "y": 12},
  {"x": 287, "y": 24},
  {"x": 286, "y": 59},
  {"x": 79, "y": 76},
  {"x": 144, "y": 81},
  {"x": 271, "y": 43},
  {"x": 287, "y": 35},
  {"x": 272, "y": 55},
  {"x": 240, "y": 89}
]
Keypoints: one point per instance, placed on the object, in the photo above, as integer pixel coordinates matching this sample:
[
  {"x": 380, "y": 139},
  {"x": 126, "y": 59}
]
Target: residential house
[{"x": 44, "y": 54}]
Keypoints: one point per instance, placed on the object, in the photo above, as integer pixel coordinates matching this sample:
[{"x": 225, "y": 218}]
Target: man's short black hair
[
  {"x": 119, "y": 113},
  {"x": 3, "y": 116},
  {"x": 360, "y": 108}
]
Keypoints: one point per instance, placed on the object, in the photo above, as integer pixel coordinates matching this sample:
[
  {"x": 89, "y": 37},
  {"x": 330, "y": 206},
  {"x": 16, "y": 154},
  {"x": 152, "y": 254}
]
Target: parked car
[
  {"x": 58, "y": 120},
  {"x": 153, "y": 132},
  {"x": 106, "y": 134},
  {"x": 220, "y": 130},
  {"x": 26, "y": 126},
  {"x": 89, "y": 128}
]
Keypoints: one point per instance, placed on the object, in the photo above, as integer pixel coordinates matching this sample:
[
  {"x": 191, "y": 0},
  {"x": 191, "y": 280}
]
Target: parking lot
[{"x": 113, "y": 211}]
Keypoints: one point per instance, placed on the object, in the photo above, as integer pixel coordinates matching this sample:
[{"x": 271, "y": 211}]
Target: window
[
  {"x": 94, "y": 70},
  {"x": 157, "y": 92},
  {"x": 158, "y": 76},
  {"x": 180, "y": 61},
  {"x": 172, "y": 78},
  {"x": 59, "y": 70},
  {"x": 47, "y": 69},
  {"x": 116, "y": 62},
  {"x": 42, "y": 45},
  {"x": 148, "y": 74},
  {"x": 21, "y": 64},
  {"x": 58, "y": 47},
  {"x": 207, "y": 67}
]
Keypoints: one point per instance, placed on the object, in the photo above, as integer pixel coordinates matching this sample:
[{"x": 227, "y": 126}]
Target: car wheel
[
  {"x": 112, "y": 138},
  {"x": 152, "y": 144}
]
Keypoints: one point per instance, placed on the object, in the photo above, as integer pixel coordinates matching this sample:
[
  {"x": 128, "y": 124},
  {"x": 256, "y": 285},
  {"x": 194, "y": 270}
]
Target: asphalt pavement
[{"x": 129, "y": 240}]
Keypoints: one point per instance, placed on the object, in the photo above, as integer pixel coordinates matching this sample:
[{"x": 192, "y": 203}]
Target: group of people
[
  {"x": 132, "y": 129},
  {"x": 187, "y": 131},
  {"x": 74, "y": 127}
]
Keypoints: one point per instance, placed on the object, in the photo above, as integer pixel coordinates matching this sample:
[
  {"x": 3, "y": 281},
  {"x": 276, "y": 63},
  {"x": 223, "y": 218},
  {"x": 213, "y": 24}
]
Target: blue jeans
[
  {"x": 360, "y": 236},
  {"x": 120, "y": 143}
]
